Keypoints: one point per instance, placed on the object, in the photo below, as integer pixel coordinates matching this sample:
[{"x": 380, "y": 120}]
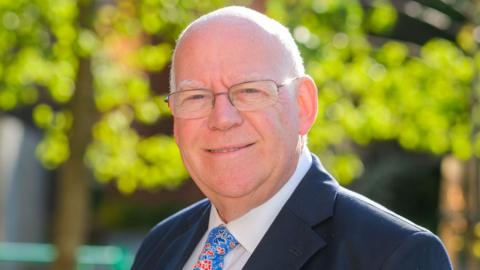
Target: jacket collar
[
  {"x": 185, "y": 243},
  {"x": 291, "y": 238}
]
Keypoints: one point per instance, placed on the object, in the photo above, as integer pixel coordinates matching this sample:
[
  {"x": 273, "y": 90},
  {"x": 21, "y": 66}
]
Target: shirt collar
[{"x": 250, "y": 228}]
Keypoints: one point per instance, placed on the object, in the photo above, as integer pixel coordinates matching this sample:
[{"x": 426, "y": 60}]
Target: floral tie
[{"x": 220, "y": 241}]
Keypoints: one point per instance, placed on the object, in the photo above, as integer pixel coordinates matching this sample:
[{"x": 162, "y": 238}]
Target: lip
[{"x": 228, "y": 149}]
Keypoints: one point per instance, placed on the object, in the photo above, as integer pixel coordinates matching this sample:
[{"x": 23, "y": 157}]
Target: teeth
[
  {"x": 228, "y": 149},
  {"x": 224, "y": 150}
]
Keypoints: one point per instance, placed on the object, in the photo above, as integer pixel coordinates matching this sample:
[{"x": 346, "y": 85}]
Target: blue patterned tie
[{"x": 220, "y": 241}]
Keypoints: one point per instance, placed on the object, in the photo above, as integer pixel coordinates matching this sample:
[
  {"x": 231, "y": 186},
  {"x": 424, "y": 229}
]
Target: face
[{"x": 233, "y": 154}]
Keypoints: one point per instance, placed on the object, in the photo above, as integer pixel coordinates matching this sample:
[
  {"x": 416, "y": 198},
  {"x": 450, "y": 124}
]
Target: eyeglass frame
[{"x": 227, "y": 93}]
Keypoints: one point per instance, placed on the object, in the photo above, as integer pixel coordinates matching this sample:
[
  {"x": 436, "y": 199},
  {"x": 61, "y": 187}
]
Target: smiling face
[{"x": 232, "y": 154}]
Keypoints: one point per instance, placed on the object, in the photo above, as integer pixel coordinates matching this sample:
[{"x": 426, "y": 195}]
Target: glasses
[{"x": 246, "y": 96}]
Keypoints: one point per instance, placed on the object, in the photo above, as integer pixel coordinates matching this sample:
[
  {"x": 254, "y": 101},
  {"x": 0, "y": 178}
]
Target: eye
[
  {"x": 191, "y": 98},
  {"x": 195, "y": 97},
  {"x": 250, "y": 91},
  {"x": 253, "y": 95}
]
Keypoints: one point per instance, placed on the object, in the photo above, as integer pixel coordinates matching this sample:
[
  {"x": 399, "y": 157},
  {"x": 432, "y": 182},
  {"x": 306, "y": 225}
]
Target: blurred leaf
[
  {"x": 8, "y": 99},
  {"x": 147, "y": 111},
  {"x": 382, "y": 17},
  {"x": 154, "y": 58},
  {"x": 43, "y": 115},
  {"x": 53, "y": 150}
]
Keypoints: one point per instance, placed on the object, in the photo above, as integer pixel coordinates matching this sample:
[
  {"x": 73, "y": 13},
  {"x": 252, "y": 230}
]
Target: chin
[
  {"x": 234, "y": 187},
  {"x": 234, "y": 193}
]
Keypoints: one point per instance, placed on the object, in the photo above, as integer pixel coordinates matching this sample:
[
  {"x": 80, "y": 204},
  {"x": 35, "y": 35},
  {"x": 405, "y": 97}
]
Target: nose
[{"x": 224, "y": 115}]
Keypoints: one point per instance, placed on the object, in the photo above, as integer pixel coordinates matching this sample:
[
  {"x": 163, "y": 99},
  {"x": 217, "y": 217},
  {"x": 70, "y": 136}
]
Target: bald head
[{"x": 243, "y": 24}]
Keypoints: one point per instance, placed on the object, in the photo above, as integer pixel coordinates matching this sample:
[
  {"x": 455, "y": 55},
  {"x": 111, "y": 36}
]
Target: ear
[{"x": 307, "y": 101}]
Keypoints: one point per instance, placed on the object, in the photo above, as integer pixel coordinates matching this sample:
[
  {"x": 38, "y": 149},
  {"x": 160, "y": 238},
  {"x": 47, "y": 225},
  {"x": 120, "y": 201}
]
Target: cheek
[
  {"x": 279, "y": 129},
  {"x": 183, "y": 132},
  {"x": 176, "y": 132},
  {"x": 288, "y": 123}
]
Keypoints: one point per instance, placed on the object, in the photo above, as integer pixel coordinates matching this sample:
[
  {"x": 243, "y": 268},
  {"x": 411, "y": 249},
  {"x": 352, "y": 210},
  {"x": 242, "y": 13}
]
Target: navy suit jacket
[{"x": 322, "y": 226}]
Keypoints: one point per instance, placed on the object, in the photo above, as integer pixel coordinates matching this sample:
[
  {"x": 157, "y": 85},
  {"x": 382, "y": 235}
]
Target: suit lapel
[
  {"x": 182, "y": 247},
  {"x": 291, "y": 240}
]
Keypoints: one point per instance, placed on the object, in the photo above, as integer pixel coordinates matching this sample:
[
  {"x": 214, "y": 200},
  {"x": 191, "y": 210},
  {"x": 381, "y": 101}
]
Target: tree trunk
[
  {"x": 73, "y": 193},
  {"x": 473, "y": 211},
  {"x": 452, "y": 203},
  {"x": 460, "y": 210}
]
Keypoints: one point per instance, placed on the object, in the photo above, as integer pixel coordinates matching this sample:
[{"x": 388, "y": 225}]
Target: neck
[{"x": 232, "y": 208}]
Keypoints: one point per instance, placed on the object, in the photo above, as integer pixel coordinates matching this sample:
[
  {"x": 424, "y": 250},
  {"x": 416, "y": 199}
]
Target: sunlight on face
[{"x": 232, "y": 154}]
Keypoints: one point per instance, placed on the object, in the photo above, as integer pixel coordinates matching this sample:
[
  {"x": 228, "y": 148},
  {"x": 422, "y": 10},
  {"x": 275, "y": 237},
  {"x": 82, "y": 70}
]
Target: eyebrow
[
  {"x": 188, "y": 84},
  {"x": 194, "y": 84}
]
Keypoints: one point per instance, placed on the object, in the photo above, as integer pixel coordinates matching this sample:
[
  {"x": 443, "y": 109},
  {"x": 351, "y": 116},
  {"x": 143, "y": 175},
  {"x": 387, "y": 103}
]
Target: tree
[{"x": 85, "y": 69}]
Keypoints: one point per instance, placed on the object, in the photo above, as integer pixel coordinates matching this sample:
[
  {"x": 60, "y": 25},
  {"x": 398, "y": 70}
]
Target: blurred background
[{"x": 88, "y": 164}]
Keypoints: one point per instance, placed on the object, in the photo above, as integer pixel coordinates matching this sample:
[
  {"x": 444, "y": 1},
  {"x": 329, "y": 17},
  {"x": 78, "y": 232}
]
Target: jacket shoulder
[
  {"x": 351, "y": 205},
  {"x": 360, "y": 222},
  {"x": 181, "y": 219},
  {"x": 167, "y": 230}
]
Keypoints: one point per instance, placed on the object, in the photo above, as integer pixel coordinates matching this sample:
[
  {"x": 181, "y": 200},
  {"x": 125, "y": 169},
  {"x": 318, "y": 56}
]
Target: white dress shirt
[{"x": 250, "y": 228}]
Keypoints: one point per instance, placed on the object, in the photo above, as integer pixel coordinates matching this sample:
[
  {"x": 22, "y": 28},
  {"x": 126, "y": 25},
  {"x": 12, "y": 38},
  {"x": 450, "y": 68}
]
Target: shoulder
[
  {"x": 355, "y": 207},
  {"x": 182, "y": 219},
  {"x": 420, "y": 250},
  {"x": 394, "y": 241},
  {"x": 164, "y": 232}
]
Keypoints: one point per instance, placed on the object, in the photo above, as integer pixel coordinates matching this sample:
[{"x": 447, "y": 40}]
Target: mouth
[{"x": 228, "y": 149}]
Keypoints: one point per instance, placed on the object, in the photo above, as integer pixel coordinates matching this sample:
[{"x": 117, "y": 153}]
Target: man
[{"x": 242, "y": 108}]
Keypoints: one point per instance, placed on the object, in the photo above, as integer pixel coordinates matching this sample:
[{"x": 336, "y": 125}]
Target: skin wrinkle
[
  {"x": 216, "y": 55},
  {"x": 193, "y": 84}
]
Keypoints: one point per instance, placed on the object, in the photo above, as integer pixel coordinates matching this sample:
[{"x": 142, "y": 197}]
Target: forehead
[
  {"x": 241, "y": 78},
  {"x": 228, "y": 49}
]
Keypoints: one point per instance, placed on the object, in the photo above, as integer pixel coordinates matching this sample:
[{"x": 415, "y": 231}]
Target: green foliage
[
  {"x": 33, "y": 65},
  {"x": 54, "y": 149},
  {"x": 382, "y": 17},
  {"x": 383, "y": 91},
  {"x": 118, "y": 152}
]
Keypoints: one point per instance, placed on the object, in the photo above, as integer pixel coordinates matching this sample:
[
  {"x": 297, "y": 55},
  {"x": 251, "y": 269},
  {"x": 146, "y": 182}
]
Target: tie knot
[
  {"x": 220, "y": 241},
  {"x": 220, "y": 238}
]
